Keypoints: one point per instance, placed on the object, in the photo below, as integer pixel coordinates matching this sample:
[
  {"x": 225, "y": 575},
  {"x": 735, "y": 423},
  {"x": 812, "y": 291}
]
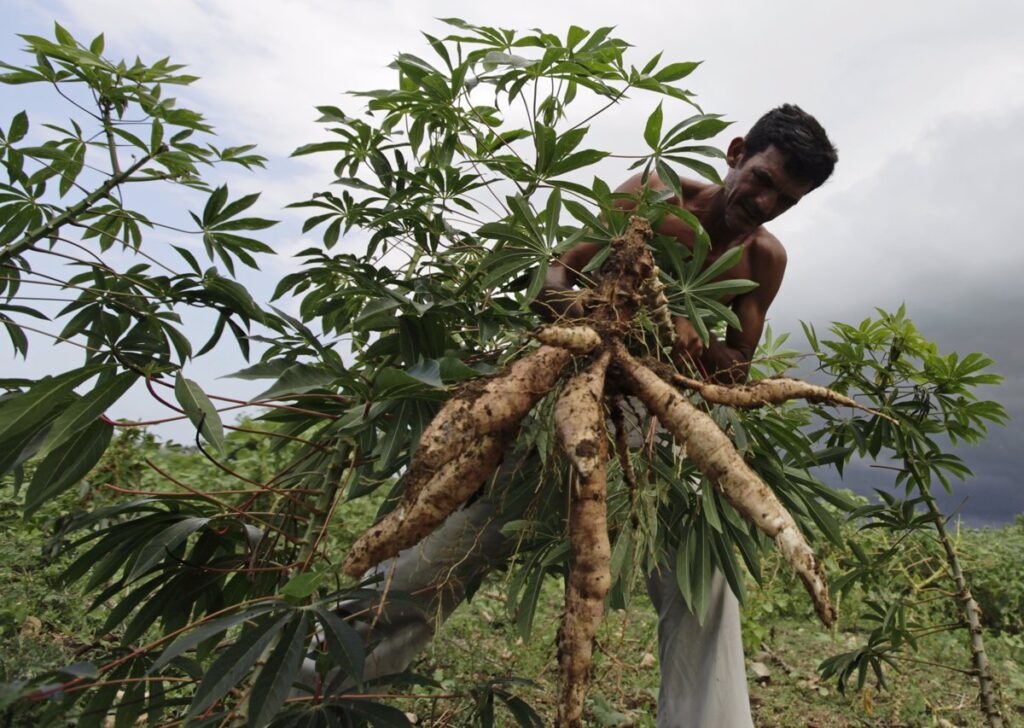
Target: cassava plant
[{"x": 414, "y": 363}]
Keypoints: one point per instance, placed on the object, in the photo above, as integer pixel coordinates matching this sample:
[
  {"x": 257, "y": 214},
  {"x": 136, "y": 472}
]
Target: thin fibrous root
[
  {"x": 484, "y": 406},
  {"x": 579, "y": 420},
  {"x": 657, "y": 304},
  {"x": 771, "y": 391},
  {"x": 438, "y": 498},
  {"x": 715, "y": 456},
  {"x": 577, "y": 339},
  {"x": 618, "y": 417}
]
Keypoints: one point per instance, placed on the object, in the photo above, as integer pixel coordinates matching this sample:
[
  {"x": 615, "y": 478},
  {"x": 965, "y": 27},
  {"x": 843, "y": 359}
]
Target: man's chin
[{"x": 741, "y": 224}]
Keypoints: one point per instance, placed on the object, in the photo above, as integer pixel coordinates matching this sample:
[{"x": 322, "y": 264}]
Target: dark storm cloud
[{"x": 939, "y": 228}]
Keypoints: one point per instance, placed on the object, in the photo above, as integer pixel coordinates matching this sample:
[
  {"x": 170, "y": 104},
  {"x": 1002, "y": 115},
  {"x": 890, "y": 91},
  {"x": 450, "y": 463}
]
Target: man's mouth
[{"x": 749, "y": 217}]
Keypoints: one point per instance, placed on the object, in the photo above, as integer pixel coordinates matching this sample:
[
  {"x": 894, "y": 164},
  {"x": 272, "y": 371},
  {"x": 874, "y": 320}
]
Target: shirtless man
[
  {"x": 703, "y": 678},
  {"x": 784, "y": 156}
]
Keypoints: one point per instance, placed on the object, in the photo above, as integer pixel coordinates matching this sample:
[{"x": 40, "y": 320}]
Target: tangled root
[{"x": 715, "y": 456}]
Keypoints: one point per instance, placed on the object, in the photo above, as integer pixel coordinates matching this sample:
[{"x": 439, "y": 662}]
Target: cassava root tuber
[
  {"x": 715, "y": 456},
  {"x": 456, "y": 454},
  {"x": 579, "y": 420},
  {"x": 577, "y": 339},
  {"x": 770, "y": 391}
]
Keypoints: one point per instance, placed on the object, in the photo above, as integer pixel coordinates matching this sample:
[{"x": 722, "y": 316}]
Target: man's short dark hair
[{"x": 800, "y": 137}]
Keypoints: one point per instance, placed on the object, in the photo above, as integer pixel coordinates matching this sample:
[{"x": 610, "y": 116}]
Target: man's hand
[
  {"x": 688, "y": 348},
  {"x": 557, "y": 302}
]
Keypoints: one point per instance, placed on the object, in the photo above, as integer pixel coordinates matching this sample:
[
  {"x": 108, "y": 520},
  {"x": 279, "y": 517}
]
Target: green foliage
[{"x": 998, "y": 586}]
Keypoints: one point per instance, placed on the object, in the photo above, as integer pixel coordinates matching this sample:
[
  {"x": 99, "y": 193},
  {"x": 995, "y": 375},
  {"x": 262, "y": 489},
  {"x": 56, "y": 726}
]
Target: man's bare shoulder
[
  {"x": 635, "y": 184},
  {"x": 767, "y": 255}
]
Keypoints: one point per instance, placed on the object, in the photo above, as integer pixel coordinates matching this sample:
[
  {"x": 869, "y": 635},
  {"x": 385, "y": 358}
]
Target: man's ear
[{"x": 734, "y": 153}]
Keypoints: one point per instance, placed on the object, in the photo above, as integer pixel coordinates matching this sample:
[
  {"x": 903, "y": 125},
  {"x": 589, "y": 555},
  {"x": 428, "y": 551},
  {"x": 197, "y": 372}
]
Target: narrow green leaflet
[
  {"x": 66, "y": 466},
  {"x": 652, "y": 131},
  {"x": 22, "y": 413},
  {"x": 200, "y": 410},
  {"x": 302, "y": 585},
  {"x": 297, "y": 379},
  {"x": 343, "y": 643},
  {"x": 278, "y": 673},
  {"x": 233, "y": 664},
  {"x": 158, "y": 547},
  {"x": 378, "y": 715},
  {"x": 200, "y": 634},
  {"x": 87, "y": 409}
]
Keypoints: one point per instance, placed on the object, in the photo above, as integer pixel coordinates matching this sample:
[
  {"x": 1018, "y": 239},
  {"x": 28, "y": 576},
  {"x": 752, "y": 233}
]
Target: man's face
[{"x": 758, "y": 188}]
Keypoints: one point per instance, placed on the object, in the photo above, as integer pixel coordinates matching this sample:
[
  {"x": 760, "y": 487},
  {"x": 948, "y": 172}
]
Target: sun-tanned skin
[{"x": 757, "y": 189}]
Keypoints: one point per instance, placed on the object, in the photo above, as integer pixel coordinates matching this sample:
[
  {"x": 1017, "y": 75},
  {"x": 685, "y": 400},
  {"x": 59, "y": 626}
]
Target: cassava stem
[
  {"x": 579, "y": 421},
  {"x": 657, "y": 305},
  {"x": 715, "y": 456}
]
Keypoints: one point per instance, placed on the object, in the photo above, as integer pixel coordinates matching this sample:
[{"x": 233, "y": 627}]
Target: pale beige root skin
[
  {"x": 438, "y": 498},
  {"x": 493, "y": 405},
  {"x": 577, "y": 339},
  {"x": 715, "y": 456},
  {"x": 579, "y": 419},
  {"x": 457, "y": 453},
  {"x": 770, "y": 391},
  {"x": 657, "y": 305},
  {"x": 574, "y": 413}
]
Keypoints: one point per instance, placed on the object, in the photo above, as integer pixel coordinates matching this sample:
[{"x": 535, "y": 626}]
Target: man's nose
[{"x": 766, "y": 202}]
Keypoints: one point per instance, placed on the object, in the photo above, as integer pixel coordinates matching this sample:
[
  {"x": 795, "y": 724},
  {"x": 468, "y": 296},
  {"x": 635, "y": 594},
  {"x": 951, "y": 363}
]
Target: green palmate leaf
[
  {"x": 276, "y": 676},
  {"x": 233, "y": 664},
  {"x": 199, "y": 410},
  {"x": 67, "y": 464},
  {"x": 87, "y": 409},
  {"x": 157, "y": 548}
]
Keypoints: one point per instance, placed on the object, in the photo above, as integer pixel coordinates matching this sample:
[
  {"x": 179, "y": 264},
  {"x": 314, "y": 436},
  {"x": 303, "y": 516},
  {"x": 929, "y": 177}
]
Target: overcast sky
[{"x": 925, "y": 101}]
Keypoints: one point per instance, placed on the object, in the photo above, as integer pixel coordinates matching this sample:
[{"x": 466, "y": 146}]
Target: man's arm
[{"x": 729, "y": 361}]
